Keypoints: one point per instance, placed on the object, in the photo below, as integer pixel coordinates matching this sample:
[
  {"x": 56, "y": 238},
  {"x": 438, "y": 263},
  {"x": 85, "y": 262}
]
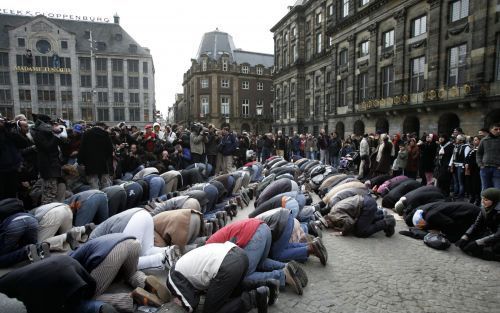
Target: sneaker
[
  {"x": 274, "y": 290},
  {"x": 262, "y": 298},
  {"x": 222, "y": 217},
  {"x": 292, "y": 279},
  {"x": 314, "y": 229},
  {"x": 319, "y": 250},
  {"x": 43, "y": 250},
  {"x": 299, "y": 271},
  {"x": 239, "y": 202},
  {"x": 153, "y": 285},
  {"x": 171, "y": 255},
  {"x": 390, "y": 222},
  {"x": 142, "y": 297},
  {"x": 32, "y": 253}
]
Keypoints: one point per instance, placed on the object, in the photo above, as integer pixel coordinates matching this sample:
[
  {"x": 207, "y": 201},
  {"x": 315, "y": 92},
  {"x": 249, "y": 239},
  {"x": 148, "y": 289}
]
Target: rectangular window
[
  {"x": 134, "y": 114},
  {"x": 64, "y": 44},
  {"x": 343, "y": 57},
  {"x": 419, "y": 26},
  {"x": 204, "y": 65},
  {"x": 317, "y": 105},
  {"x": 117, "y": 65},
  {"x": 259, "y": 70},
  {"x": 4, "y": 59},
  {"x": 86, "y": 96},
  {"x": 66, "y": 96},
  {"x": 118, "y": 97},
  {"x": 146, "y": 115},
  {"x": 204, "y": 83},
  {"x": 260, "y": 86},
  {"x": 245, "y": 84},
  {"x": 245, "y": 108},
  {"x": 133, "y": 66},
  {"x": 308, "y": 84},
  {"x": 345, "y": 8},
  {"x": 146, "y": 98},
  {"x": 21, "y": 42},
  {"x": 244, "y": 69},
  {"x": 456, "y": 65},
  {"x": 84, "y": 64},
  {"x": 317, "y": 81},
  {"x": 22, "y": 60},
  {"x": 102, "y": 97},
  {"x": 145, "y": 67},
  {"x": 224, "y": 106},
  {"x": 133, "y": 82},
  {"x": 87, "y": 114},
  {"x": 85, "y": 81},
  {"x": 24, "y": 95},
  {"x": 307, "y": 107},
  {"x": 364, "y": 48},
  {"x": 388, "y": 38},
  {"x": 294, "y": 31},
  {"x": 119, "y": 114},
  {"x": 343, "y": 92},
  {"x": 459, "y": 10},
  {"x": 117, "y": 81},
  {"x": 103, "y": 114},
  {"x": 4, "y": 78},
  {"x": 65, "y": 62},
  {"x": 46, "y": 95},
  {"x": 319, "y": 43},
  {"x": 44, "y": 79},
  {"x": 65, "y": 79},
  {"x": 362, "y": 87},
  {"x": 328, "y": 102},
  {"x": 295, "y": 52},
  {"x": 205, "y": 106},
  {"x": 101, "y": 64},
  {"x": 102, "y": 81},
  {"x": 5, "y": 95},
  {"x": 328, "y": 77},
  {"x": 224, "y": 83},
  {"x": 285, "y": 57},
  {"x": 417, "y": 74},
  {"x": 145, "y": 83},
  {"x": 292, "y": 109},
  {"x": 363, "y": 2},
  {"x": 387, "y": 81},
  {"x": 224, "y": 65},
  {"x": 133, "y": 97},
  {"x": 23, "y": 78},
  {"x": 308, "y": 50},
  {"x": 319, "y": 18},
  {"x": 329, "y": 10}
]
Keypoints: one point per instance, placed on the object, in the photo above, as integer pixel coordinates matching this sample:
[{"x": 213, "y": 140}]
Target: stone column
[{"x": 399, "y": 60}]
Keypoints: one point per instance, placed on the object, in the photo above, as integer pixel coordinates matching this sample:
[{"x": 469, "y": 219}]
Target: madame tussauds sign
[{"x": 71, "y": 17}]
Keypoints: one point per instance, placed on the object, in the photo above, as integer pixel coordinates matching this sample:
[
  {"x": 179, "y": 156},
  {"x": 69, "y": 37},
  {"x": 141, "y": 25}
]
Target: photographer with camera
[
  {"x": 197, "y": 140},
  {"x": 213, "y": 140}
]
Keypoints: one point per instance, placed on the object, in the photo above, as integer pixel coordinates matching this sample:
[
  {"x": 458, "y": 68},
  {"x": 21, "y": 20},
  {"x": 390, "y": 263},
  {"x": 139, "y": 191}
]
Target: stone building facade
[
  {"x": 227, "y": 86},
  {"x": 392, "y": 66},
  {"x": 110, "y": 80}
]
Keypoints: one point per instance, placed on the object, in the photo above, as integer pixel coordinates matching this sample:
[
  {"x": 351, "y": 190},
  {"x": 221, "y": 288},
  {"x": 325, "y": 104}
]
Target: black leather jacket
[{"x": 486, "y": 228}]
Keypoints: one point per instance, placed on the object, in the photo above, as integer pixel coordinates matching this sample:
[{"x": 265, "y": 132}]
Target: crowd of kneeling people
[{"x": 65, "y": 255}]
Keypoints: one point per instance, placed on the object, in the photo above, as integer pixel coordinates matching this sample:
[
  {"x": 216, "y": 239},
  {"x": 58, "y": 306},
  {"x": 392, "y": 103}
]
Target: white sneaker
[{"x": 171, "y": 255}]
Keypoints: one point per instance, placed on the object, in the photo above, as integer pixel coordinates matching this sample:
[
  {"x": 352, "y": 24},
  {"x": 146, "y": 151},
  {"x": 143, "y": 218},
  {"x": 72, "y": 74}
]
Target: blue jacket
[{"x": 228, "y": 144}]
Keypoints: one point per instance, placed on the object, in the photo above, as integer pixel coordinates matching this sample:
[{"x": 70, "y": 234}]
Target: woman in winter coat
[
  {"x": 472, "y": 177},
  {"x": 482, "y": 239},
  {"x": 445, "y": 151},
  {"x": 428, "y": 152},
  {"x": 383, "y": 156},
  {"x": 413, "y": 158}
]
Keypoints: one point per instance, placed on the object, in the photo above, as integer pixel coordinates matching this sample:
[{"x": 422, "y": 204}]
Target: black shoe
[
  {"x": 250, "y": 193},
  {"x": 299, "y": 271},
  {"x": 314, "y": 229},
  {"x": 292, "y": 279},
  {"x": 320, "y": 250},
  {"x": 272, "y": 284},
  {"x": 32, "y": 253},
  {"x": 209, "y": 229},
  {"x": 390, "y": 222},
  {"x": 262, "y": 298},
  {"x": 320, "y": 218},
  {"x": 43, "y": 250}
]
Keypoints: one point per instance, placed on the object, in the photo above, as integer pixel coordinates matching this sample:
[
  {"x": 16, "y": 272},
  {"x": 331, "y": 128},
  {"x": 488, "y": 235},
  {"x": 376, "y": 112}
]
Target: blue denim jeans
[
  {"x": 260, "y": 267},
  {"x": 458, "y": 182},
  {"x": 134, "y": 194},
  {"x": 334, "y": 160},
  {"x": 283, "y": 250},
  {"x": 156, "y": 185},
  {"x": 311, "y": 155},
  {"x": 16, "y": 232},
  {"x": 92, "y": 206},
  {"x": 129, "y": 175},
  {"x": 490, "y": 177}
]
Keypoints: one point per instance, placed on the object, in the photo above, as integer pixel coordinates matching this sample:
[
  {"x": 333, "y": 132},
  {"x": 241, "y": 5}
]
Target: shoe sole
[
  {"x": 297, "y": 284},
  {"x": 33, "y": 254},
  {"x": 154, "y": 286},
  {"x": 301, "y": 274},
  {"x": 143, "y": 297},
  {"x": 318, "y": 251},
  {"x": 44, "y": 250}
]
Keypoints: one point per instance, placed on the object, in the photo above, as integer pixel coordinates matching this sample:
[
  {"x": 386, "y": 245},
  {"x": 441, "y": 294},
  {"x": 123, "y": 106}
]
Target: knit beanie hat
[
  {"x": 492, "y": 194},
  {"x": 400, "y": 205}
]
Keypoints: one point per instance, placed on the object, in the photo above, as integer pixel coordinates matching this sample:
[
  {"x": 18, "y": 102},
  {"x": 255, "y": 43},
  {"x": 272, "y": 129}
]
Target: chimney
[{"x": 116, "y": 19}]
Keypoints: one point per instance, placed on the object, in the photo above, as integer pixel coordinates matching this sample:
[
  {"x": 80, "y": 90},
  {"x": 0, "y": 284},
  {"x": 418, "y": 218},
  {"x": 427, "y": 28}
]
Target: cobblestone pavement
[{"x": 379, "y": 274}]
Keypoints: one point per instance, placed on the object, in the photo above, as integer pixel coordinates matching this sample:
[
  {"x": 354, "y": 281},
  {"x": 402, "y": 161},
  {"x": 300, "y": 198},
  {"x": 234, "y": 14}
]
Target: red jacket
[{"x": 242, "y": 231}]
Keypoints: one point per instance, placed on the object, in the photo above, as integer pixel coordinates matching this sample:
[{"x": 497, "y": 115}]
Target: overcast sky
[{"x": 173, "y": 29}]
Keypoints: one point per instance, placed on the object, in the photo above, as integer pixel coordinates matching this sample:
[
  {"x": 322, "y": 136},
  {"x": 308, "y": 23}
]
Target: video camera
[{"x": 199, "y": 129}]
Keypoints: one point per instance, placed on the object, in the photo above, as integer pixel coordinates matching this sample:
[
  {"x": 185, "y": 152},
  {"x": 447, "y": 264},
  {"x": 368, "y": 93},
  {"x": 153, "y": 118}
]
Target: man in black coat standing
[{"x": 96, "y": 154}]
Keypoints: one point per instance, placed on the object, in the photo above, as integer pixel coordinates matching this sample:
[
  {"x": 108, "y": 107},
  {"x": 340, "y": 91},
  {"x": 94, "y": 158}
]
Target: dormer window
[
  {"x": 245, "y": 69},
  {"x": 224, "y": 65}
]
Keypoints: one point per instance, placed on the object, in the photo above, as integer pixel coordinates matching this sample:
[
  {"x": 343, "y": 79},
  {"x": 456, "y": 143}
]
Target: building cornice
[{"x": 335, "y": 26}]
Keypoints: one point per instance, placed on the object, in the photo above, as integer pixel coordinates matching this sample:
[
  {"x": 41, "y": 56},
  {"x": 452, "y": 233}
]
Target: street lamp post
[{"x": 259, "y": 114}]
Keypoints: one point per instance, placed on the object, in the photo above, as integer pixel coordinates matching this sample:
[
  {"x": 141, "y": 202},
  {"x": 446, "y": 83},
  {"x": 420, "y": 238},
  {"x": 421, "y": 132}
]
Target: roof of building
[
  {"x": 216, "y": 43},
  {"x": 108, "y": 33}
]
